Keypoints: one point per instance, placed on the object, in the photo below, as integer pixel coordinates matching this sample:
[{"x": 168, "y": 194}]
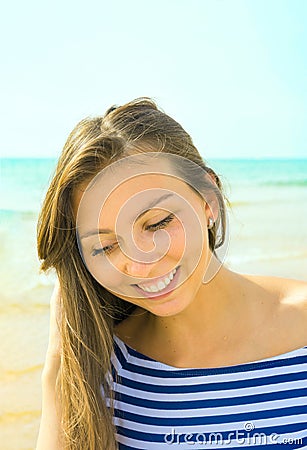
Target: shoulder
[
  {"x": 287, "y": 290},
  {"x": 288, "y": 299}
]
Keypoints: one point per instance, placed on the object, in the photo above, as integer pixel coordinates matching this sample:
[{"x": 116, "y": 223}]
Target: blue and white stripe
[{"x": 256, "y": 404}]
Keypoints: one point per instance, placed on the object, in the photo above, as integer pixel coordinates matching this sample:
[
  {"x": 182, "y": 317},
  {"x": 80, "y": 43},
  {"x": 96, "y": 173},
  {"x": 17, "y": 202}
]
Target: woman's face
[{"x": 143, "y": 235}]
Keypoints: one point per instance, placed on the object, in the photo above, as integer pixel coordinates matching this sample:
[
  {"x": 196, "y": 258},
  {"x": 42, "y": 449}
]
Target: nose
[
  {"x": 137, "y": 269},
  {"x": 137, "y": 257}
]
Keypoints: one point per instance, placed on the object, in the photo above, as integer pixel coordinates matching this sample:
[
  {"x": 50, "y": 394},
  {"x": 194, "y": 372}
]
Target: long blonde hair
[{"x": 89, "y": 311}]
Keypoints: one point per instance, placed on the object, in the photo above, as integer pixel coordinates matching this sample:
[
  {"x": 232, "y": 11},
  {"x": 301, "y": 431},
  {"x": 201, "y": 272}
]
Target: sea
[{"x": 267, "y": 223}]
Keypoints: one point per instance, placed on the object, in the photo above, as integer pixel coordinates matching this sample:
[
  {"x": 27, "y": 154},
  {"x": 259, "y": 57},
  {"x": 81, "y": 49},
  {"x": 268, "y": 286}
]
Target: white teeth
[
  {"x": 154, "y": 288},
  {"x": 160, "y": 285},
  {"x": 147, "y": 289}
]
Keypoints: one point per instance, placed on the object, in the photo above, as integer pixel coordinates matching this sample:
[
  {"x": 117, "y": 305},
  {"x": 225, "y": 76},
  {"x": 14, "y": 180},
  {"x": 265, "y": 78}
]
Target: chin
[{"x": 168, "y": 308}]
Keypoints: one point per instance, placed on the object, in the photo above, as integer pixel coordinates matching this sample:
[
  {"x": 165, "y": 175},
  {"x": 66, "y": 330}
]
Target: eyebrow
[{"x": 148, "y": 207}]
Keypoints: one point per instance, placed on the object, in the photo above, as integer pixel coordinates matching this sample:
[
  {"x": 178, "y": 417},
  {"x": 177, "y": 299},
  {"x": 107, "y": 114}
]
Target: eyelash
[
  {"x": 153, "y": 227},
  {"x": 102, "y": 250},
  {"x": 161, "y": 224}
]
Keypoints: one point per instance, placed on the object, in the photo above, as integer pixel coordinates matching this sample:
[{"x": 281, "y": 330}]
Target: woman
[{"x": 145, "y": 312}]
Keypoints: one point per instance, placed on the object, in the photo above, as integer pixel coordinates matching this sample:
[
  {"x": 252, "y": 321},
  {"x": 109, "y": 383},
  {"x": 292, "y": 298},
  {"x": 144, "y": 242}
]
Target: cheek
[
  {"x": 104, "y": 271},
  {"x": 190, "y": 243},
  {"x": 177, "y": 242}
]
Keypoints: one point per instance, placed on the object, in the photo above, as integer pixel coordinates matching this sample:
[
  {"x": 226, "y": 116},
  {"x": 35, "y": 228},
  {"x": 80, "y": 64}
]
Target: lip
[{"x": 160, "y": 294}]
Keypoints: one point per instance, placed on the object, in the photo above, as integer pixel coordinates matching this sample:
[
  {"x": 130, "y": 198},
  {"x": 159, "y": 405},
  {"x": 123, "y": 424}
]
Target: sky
[{"x": 232, "y": 72}]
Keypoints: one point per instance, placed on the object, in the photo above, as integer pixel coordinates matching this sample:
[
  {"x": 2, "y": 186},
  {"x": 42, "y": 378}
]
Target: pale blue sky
[{"x": 232, "y": 72}]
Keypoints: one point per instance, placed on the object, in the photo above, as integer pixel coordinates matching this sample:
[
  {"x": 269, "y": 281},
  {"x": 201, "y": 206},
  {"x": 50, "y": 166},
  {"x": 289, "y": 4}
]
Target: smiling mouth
[
  {"x": 164, "y": 285},
  {"x": 160, "y": 285}
]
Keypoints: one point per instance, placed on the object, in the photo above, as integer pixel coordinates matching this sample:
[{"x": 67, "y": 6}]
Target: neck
[{"x": 214, "y": 313}]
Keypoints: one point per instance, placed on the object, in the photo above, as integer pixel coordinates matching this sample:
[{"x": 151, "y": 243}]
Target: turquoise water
[
  {"x": 270, "y": 172},
  {"x": 23, "y": 183}
]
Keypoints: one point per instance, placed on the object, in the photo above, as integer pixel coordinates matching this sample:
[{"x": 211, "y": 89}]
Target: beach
[{"x": 267, "y": 236}]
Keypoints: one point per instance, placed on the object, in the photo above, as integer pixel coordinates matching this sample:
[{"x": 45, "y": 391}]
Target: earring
[{"x": 210, "y": 223}]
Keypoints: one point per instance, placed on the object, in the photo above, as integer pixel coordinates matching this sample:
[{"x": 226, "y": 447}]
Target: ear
[
  {"x": 212, "y": 209},
  {"x": 211, "y": 202}
]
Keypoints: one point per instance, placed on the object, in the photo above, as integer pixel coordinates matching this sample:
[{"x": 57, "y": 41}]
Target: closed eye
[
  {"x": 105, "y": 250},
  {"x": 161, "y": 224},
  {"x": 155, "y": 226}
]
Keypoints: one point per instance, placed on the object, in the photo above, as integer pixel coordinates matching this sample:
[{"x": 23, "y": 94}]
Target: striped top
[{"x": 256, "y": 404}]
